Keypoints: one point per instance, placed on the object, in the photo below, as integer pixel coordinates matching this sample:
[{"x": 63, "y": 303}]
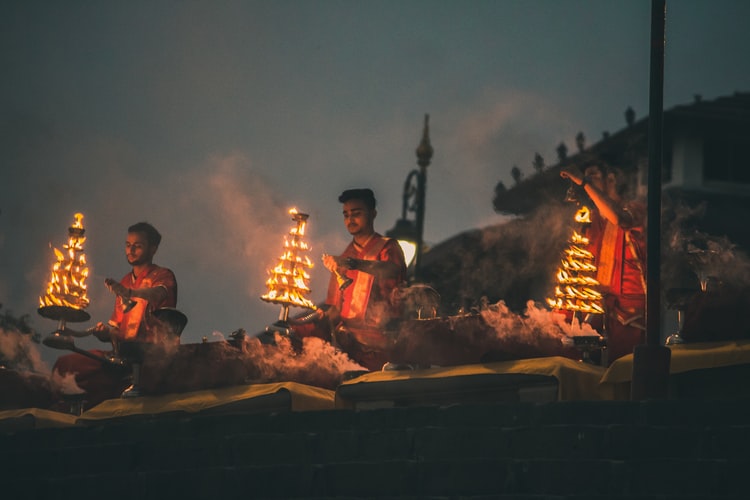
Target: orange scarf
[{"x": 362, "y": 286}]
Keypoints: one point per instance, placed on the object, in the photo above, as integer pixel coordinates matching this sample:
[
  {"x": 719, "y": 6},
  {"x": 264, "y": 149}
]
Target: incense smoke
[
  {"x": 318, "y": 363},
  {"x": 64, "y": 384},
  {"x": 535, "y": 324},
  {"x": 19, "y": 352},
  {"x": 695, "y": 259}
]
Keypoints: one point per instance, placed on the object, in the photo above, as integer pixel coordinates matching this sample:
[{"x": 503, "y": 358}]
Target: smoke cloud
[
  {"x": 534, "y": 324},
  {"x": 19, "y": 352},
  {"x": 64, "y": 384},
  {"x": 242, "y": 360},
  {"x": 317, "y": 363},
  {"x": 492, "y": 333},
  {"x": 696, "y": 259}
]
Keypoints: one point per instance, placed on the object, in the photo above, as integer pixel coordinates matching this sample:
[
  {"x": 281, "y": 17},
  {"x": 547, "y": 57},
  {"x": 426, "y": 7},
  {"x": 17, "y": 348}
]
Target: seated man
[
  {"x": 139, "y": 293},
  {"x": 363, "y": 286}
]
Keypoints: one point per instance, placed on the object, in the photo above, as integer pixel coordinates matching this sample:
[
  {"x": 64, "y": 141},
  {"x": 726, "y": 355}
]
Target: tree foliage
[{"x": 538, "y": 163}]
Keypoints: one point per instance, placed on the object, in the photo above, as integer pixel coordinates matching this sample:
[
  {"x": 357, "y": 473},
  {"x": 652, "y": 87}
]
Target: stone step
[
  {"x": 678, "y": 414},
  {"x": 412, "y": 479},
  {"x": 655, "y": 449},
  {"x": 578, "y": 441}
]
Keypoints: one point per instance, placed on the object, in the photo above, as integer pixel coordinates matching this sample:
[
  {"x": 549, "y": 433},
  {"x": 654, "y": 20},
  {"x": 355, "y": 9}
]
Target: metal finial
[{"x": 424, "y": 150}]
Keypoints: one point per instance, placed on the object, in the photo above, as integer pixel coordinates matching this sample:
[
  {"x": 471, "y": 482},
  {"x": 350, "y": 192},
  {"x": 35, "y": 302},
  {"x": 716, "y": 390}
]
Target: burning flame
[
  {"x": 577, "y": 286},
  {"x": 287, "y": 283},
  {"x": 583, "y": 216},
  {"x": 579, "y": 239},
  {"x": 67, "y": 283},
  {"x": 565, "y": 278}
]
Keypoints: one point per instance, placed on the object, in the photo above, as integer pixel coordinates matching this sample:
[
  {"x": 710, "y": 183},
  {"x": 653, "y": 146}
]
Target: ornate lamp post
[{"x": 409, "y": 231}]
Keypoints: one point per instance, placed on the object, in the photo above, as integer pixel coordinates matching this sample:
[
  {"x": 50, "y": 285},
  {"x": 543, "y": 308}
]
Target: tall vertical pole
[
  {"x": 651, "y": 361},
  {"x": 424, "y": 155},
  {"x": 655, "y": 156}
]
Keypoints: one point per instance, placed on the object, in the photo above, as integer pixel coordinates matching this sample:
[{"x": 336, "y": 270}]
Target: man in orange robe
[
  {"x": 146, "y": 288},
  {"x": 362, "y": 291},
  {"x": 617, "y": 240}
]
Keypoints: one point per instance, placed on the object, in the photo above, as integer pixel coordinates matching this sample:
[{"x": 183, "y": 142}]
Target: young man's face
[
  {"x": 358, "y": 218},
  {"x": 137, "y": 249}
]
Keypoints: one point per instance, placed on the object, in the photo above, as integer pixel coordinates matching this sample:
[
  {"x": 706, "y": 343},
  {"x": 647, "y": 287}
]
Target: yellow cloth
[
  {"x": 687, "y": 357},
  {"x": 42, "y": 418},
  {"x": 303, "y": 398},
  {"x": 576, "y": 380}
]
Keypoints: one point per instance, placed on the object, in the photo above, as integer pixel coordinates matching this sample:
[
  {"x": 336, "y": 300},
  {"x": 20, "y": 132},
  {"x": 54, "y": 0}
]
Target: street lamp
[
  {"x": 405, "y": 232},
  {"x": 408, "y": 232}
]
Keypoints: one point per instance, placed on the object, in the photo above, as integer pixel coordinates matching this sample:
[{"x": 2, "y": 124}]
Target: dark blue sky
[{"x": 211, "y": 119}]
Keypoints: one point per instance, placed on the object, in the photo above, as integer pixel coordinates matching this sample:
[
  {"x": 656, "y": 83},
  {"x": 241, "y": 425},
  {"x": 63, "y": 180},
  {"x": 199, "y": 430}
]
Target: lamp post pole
[
  {"x": 424, "y": 155},
  {"x": 651, "y": 361}
]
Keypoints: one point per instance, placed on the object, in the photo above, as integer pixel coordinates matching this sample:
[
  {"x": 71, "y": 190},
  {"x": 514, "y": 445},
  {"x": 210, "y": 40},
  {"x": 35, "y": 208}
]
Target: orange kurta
[
  {"x": 137, "y": 323},
  {"x": 367, "y": 302},
  {"x": 366, "y": 306}
]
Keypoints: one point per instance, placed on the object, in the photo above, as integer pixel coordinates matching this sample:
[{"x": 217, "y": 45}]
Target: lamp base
[{"x": 64, "y": 313}]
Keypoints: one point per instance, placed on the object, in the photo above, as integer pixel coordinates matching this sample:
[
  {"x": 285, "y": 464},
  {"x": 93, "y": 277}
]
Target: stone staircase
[{"x": 561, "y": 450}]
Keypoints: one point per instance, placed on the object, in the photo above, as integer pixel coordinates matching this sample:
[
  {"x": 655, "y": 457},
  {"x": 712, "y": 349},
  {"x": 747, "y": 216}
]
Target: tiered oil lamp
[
  {"x": 65, "y": 299},
  {"x": 576, "y": 289},
  {"x": 288, "y": 281},
  {"x": 576, "y": 285}
]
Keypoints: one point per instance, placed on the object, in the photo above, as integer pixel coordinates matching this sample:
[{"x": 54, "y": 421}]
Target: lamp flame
[
  {"x": 67, "y": 282},
  {"x": 287, "y": 282},
  {"x": 583, "y": 216},
  {"x": 576, "y": 288}
]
